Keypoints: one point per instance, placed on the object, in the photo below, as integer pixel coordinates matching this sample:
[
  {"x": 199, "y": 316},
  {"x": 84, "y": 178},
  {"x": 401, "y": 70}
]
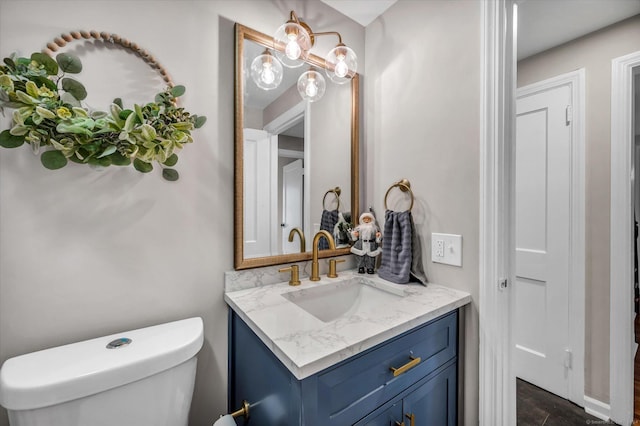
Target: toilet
[{"x": 141, "y": 377}]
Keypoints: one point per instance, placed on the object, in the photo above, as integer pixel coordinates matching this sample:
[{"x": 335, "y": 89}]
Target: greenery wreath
[{"x": 48, "y": 113}]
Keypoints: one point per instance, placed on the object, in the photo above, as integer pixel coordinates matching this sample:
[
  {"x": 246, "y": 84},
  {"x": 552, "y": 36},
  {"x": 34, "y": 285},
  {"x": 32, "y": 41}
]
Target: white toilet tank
[{"x": 142, "y": 377}]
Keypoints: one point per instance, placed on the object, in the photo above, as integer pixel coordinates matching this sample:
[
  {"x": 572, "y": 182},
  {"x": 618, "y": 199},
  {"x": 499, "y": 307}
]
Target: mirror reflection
[{"x": 295, "y": 172}]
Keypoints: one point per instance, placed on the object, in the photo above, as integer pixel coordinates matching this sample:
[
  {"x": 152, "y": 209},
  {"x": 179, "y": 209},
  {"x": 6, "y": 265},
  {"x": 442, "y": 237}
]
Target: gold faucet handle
[
  {"x": 295, "y": 274},
  {"x": 332, "y": 268}
]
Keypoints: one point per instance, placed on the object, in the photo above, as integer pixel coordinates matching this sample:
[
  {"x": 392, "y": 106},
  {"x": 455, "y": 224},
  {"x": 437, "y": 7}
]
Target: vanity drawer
[{"x": 357, "y": 386}]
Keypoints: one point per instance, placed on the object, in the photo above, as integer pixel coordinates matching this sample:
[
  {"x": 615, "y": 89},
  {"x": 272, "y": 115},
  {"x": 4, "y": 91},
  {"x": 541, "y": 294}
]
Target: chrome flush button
[{"x": 118, "y": 343}]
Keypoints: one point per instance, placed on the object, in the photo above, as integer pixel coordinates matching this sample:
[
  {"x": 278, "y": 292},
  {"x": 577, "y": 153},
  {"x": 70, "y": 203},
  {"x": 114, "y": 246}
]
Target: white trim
[
  {"x": 286, "y": 119},
  {"x": 576, "y": 82},
  {"x": 290, "y": 153},
  {"x": 597, "y": 408},
  {"x": 301, "y": 110},
  {"x": 496, "y": 381},
  {"x": 307, "y": 169},
  {"x": 276, "y": 230},
  {"x": 621, "y": 264}
]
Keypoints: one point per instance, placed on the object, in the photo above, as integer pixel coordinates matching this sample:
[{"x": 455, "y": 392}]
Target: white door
[
  {"x": 540, "y": 329},
  {"x": 292, "y": 199},
  {"x": 257, "y": 179}
]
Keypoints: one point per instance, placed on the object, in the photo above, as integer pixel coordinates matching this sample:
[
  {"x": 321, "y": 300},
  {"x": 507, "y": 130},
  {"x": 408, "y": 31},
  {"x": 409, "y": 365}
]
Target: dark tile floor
[{"x": 537, "y": 407}]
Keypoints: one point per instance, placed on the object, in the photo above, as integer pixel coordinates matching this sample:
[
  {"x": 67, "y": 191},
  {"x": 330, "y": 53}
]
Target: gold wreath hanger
[{"x": 405, "y": 186}]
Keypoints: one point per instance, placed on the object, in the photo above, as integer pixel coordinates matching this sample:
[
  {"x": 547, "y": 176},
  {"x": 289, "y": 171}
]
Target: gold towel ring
[
  {"x": 337, "y": 191},
  {"x": 404, "y": 185},
  {"x": 65, "y": 38}
]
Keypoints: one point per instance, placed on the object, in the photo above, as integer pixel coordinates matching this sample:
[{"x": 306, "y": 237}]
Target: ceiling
[
  {"x": 363, "y": 12},
  {"x": 543, "y": 24}
]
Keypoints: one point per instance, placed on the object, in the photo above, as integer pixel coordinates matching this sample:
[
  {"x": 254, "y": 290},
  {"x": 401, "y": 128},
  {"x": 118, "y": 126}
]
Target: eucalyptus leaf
[
  {"x": 200, "y": 120},
  {"x": 177, "y": 91},
  {"x": 142, "y": 166},
  {"x": 171, "y": 161},
  {"x": 101, "y": 162},
  {"x": 74, "y": 87},
  {"x": 118, "y": 159},
  {"x": 69, "y": 63},
  {"x": 50, "y": 65},
  {"x": 53, "y": 160},
  {"x": 7, "y": 140},
  {"x": 92, "y": 147},
  {"x": 170, "y": 174},
  {"x": 68, "y": 98}
]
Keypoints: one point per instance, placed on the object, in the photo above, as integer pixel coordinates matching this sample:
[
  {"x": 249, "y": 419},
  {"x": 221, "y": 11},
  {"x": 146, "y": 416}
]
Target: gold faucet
[
  {"x": 303, "y": 244},
  {"x": 315, "y": 274},
  {"x": 332, "y": 268},
  {"x": 295, "y": 274}
]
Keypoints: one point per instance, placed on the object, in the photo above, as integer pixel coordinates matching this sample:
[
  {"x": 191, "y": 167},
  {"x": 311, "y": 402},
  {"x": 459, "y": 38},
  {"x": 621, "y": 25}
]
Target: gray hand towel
[
  {"x": 401, "y": 251},
  {"x": 328, "y": 221}
]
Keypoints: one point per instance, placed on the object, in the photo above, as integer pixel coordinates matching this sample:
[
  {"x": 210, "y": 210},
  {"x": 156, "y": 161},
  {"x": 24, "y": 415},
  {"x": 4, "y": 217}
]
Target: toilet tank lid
[{"x": 64, "y": 373}]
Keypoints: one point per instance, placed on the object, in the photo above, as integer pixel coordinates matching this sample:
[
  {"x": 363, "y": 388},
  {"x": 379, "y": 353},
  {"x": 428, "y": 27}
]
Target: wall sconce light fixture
[
  {"x": 311, "y": 85},
  {"x": 292, "y": 42},
  {"x": 266, "y": 71}
]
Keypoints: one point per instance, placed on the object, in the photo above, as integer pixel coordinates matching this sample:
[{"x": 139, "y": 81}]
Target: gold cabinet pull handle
[
  {"x": 411, "y": 418},
  {"x": 408, "y": 366},
  {"x": 399, "y": 424}
]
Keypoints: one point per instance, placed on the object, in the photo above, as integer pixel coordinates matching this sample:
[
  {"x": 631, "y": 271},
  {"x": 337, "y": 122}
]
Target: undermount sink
[{"x": 328, "y": 302}]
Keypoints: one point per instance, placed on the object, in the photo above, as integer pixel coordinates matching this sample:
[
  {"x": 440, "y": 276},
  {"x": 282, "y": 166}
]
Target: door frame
[
  {"x": 497, "y": 385},
  {"x": 576, "y": 82},
  {"x": 283, "y": 122},
  {"x": 621, "y": 263}
]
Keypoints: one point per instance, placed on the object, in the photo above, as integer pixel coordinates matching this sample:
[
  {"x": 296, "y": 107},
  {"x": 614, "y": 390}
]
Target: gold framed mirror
[{"x": 278, "y": 135}]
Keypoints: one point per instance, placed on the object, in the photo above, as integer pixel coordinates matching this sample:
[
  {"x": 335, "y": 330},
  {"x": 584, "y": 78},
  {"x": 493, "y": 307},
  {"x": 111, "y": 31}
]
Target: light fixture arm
[
  {"x": 329, "y": 33},
  {"x": 294, "y": 18}
]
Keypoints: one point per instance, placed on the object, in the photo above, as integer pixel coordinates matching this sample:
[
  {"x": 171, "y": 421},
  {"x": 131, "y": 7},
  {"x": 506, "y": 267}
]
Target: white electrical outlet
[{"x": 446, "y": 248}]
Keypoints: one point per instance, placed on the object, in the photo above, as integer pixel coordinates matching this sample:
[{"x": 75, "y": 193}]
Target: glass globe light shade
[
  {"x": 266, "y": 71},
  {"x": 311, "y": 85},
  {"x": 292, "y": 43},
  {"x": 341, "y": 64}
]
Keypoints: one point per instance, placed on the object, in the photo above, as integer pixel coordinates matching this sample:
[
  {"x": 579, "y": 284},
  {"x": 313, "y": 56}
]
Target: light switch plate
[{"x": 446, "y": 248}]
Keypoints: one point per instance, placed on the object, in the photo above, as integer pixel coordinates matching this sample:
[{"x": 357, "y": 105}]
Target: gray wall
[
  {"x": 85, "y": 253},
  {"x": 422, "y": 122},
  {"x": 594, "y": 53}
]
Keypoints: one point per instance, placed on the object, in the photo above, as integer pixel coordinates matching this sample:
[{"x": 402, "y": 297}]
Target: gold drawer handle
[
  {"x": 408, "y": 366},
  {"x": 399, "y": 424},
  {"x": 412, "y": 419}
]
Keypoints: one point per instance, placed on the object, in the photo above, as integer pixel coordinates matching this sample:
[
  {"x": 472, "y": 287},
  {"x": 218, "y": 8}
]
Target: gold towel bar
[
  {"x": 404, "y": 185},
  {"x": 244, "y": 411}
]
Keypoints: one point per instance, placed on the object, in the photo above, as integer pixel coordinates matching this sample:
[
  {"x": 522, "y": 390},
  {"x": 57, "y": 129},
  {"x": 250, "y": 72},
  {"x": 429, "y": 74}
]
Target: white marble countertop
[{"x": 307, "y": 345}]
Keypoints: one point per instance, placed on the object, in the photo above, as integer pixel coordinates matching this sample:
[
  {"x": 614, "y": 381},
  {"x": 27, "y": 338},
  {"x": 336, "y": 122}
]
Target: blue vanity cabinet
[
  {"x": 361, "y": 390},
  {"x": 432, "y": 401}
]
